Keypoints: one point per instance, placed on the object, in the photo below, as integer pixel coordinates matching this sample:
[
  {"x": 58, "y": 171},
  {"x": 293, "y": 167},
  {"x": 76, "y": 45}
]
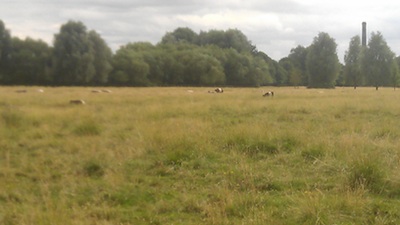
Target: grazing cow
[
  {"x": 269, "y": 93},
  {"x": 219, "y": 90},
  {"x": 77, "y": 102}
]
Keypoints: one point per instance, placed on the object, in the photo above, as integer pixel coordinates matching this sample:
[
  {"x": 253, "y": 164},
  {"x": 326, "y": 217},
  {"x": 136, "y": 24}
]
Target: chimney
[{"x": 364, "y": 34}]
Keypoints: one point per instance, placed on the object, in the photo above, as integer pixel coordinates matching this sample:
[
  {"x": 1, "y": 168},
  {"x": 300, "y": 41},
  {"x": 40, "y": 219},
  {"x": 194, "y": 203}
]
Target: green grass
[{"x": 169, "y": 156}]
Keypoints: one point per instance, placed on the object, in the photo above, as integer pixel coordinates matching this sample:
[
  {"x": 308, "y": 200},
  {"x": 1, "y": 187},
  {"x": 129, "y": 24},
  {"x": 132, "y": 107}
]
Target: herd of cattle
[
  {"x": 82, "y": 102},
  {"x": 265, "y": 94}
]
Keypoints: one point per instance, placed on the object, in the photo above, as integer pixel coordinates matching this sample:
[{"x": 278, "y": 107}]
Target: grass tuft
[
  {"x": 12, "y": 118},
  {"x": 367, "y": 174},
  {"x": 93, "y": 169},
  {"x": 87, "y": 128}
]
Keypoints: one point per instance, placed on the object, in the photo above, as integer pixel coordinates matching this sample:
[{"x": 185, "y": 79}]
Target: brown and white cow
[
  {"x": 77, "y": 102},
  {"x": 269, "y": 93},
  {"x": 219, "y": 90}
]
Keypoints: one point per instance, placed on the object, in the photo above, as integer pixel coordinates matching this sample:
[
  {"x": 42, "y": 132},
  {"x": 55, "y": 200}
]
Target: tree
[
  {"x": 73, "y": 55},
  {"x": 29, "y": 63},
  {"x": 276, "y": 72},
  {"x": 246, "y": 69},
  {"x": 236, "y": 68},
  {"x": 322, "y": 62},
  {"x": 286, "y": 64},
  {"x": 378, "y": 63},
  {"x": 352, "y": 60},
  {"x": 237, "y": 40},
  {"x": 231, "y": 38},
  {"x": 102, "y": 56},
  {"x": 181, "y": 34},
  {"x": 202, "y": 70},
  {"x": 5, "y": 52},
  {"x": 298, "y": 57},
  {"x": 130, "y": 68}
]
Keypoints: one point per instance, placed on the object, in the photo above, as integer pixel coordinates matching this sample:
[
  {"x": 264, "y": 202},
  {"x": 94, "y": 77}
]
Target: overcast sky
[{"x": 273, "y": 26}]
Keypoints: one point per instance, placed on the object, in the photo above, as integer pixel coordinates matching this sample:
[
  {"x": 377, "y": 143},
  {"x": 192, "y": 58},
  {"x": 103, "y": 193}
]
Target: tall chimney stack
[{"x": 364, "y": 34}]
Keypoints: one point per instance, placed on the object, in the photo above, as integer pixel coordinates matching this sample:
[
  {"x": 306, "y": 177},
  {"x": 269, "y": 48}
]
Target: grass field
[{"x": 170, "y": 156}]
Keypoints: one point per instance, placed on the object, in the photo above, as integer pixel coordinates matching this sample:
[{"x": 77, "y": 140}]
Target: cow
[
  {"x": 77, "y": 102},
  {"x": 219, "y": 90},
  {"x": 269, "y": 93}
]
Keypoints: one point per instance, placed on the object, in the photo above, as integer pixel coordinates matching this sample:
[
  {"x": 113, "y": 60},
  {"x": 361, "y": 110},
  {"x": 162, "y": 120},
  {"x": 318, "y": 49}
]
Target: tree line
[{"x": 80, "y": 57}]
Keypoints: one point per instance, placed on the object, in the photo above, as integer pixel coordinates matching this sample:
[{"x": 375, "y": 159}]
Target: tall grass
[{"x": 169, "y": 156}]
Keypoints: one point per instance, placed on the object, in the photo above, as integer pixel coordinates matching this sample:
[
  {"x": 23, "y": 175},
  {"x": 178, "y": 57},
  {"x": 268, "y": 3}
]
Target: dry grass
[{"x": 169, "y": 156}]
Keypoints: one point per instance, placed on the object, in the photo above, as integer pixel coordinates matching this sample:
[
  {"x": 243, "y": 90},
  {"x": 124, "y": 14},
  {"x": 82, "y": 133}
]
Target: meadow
[{"x": 184, "y": 156}]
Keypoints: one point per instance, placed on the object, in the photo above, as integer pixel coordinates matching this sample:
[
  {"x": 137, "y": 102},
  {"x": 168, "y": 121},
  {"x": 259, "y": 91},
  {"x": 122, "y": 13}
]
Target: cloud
[{"x": 274, "y": 26}]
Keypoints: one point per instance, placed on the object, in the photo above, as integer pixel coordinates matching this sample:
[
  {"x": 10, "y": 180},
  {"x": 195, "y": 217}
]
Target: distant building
[{"x": 364, "y": 34}]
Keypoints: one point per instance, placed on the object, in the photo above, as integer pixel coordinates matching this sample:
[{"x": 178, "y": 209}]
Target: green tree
[
  {"x": 130, "y": 68},
  {"x": 322, "y": 62},
  {"x": 5, "y": 52},
  {"x": 298, "y": 57},
  {"x": 295, "y": 78},
  {"x": 246, "y": 69},
  {"x": 352, "y": 60},
  {"x": 231, "y": 38},
  {"x": 73, "y": 55},
  {"x": 202, "y": 69},
  {"x": 213, "y": 37},
  {"x": 378, "y": 63},
  {"x": 29, "y": 63},
  {"x": 236, "y": 68},
  {"x": 261, "y": 72},
  {"x": 275, "y": 70},
  {"x": 237, "y": 40},
  {"x": 340, "y": 80},
  {"x": 181, "y": 34},
  {"x": 287, "y": 64},
  {"x": 102, "y": 57},
  {"x": 173, "y": 69}
]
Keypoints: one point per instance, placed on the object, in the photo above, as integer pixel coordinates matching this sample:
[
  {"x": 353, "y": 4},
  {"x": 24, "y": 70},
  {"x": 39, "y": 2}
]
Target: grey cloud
[{"x": 274, "y": 26}]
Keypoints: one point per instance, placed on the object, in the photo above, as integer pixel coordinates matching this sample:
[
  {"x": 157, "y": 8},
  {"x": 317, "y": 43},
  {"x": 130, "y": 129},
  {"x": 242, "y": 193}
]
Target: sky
[{"x": 273, "y": 26}]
